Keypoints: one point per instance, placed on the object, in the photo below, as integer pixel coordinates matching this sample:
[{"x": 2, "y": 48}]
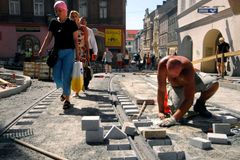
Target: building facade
[
  {"x": 24, "y": 23},
  {"x": 199, "y": 35},
  {"x": 130, "y": 41}
]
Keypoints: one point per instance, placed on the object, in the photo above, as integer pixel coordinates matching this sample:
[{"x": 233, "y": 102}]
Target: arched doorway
[
  {"x": 209, "y": 48},
  {"x": 187, "y": 47}
]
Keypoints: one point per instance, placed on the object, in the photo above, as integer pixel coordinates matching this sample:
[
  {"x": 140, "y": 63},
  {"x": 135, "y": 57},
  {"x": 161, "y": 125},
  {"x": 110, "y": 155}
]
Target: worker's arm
[{"x": 162, "y": 76}]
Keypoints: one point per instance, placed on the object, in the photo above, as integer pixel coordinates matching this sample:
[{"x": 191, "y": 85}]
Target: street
[{"x": 54, "y": 127}]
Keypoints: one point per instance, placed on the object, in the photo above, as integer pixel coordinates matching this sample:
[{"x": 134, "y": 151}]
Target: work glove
[{"x": 167, "y": 122}]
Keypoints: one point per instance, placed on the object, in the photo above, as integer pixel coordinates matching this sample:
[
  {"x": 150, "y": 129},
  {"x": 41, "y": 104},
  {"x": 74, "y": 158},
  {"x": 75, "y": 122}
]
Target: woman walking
[{"x": 65, "y": 34}]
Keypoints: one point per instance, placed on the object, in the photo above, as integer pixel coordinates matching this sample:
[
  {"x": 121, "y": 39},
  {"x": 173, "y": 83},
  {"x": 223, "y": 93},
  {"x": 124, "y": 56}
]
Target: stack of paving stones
[
  {"x": 221, "y": 131},
  {"x": 155, "y": 136},
  {"x": 107, "y": 124}
]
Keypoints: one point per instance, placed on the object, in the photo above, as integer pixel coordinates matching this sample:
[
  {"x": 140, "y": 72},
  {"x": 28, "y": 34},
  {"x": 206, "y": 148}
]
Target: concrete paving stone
[
  {"x": 142, "y": 123},
  {"x": 126, "y": 103},
  {"x": 35, "y": 111},
  {"x": 108, "y": 113},
  {"x": 108, "y": 125},
  {"x": 29, "y": 116},
  {"x": 124, "y": 100},
  {"x": 221, "y": 128},
  {"x": 129, "y": 128},
  {"x": 122, "y": 144},
  {"x": 200, "y": 143},
  {"x": 122, "y": 155},
  {"x": 40, "y": 107},
  {"x": 129, "y": 107},
  {"x": 108, "y": 118},
  {"x": 165, "y": 152},
  {"x": 115, "y": 133},
  {"x": 103, "y": 109},
  {"x": 140, "y": 101},
  {"x": 44, "y": 103},
  {"x": 159, "y": 142},
  {"x": 25, "y": 122},
  {"x": 130, "y": 112},
  {"x": 90, "y": 123},
  {"x": 95, "y": 136},
  {"x": 217, "y": 138},
  {"x": 122, "y": 96},
  {"x": 150, "y": 133},
  {"x": 105, "y": 105},
  {"x": 229, "y": 119}
]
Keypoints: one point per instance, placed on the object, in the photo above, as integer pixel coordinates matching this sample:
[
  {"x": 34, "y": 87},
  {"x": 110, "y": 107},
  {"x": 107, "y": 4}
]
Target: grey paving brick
[
  {"x": 130, "y": 112},
  {"x": 159, "y": 142},
  {"x": 200, "y": 143},
  {"x": 108, "y": 125},
  {"x": 90, "y": 123},
  {"x": 129, "y": 107},
  {"x": 126, "y": 103},
  {"x": 150, "y": 133},
  {"x": 122, "y": 144},
  {"x": 221, "y": 128},
  {"x": 217, "y": 138},
  {"x": 95, "y": 136},
  {"x": 124, "y": 100},
  {"x": 129, "y": 128},
  {"x": 115, "y": 133},
  {"x": 142, "y": 123},
  {"x": 122, "y": 155},
  {"x": 165, "y": 152}
]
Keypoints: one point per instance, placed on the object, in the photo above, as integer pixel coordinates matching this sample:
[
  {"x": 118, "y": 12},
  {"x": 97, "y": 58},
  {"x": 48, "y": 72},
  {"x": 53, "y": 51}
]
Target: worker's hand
[
  {"x": 167, "y": 122},
  {"x": 161, "y": 115}
]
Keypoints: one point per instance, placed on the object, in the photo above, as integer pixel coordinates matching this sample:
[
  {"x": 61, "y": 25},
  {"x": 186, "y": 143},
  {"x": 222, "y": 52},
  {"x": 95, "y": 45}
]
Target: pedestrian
[
  {"x": 222, "y": 48},
  {"x": 153, "y": 61},
  {"x": 148, "y": 60},
  {"x": 184, "y": 83},
  {"x": 126, "y": 60},
  {"x": 83, "y": 47},
  {"x": 107, "y": 60},
  {"x": 92, "y": 43},
  {"x": 65, "y": 35},
  {"x": 92, "y": 51},
  {"x": 119, "y": 61},
  {"x": 144, "y": 61}
]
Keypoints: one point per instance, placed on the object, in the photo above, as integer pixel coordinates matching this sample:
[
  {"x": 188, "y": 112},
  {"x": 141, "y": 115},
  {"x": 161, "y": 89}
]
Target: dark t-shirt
[
  {"x": 63, "y": 33},
  {"x": 223, "y": 48}
]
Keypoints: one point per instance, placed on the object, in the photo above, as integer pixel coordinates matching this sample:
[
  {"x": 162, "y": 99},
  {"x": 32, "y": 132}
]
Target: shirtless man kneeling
[{"x": 184, "y": 83}]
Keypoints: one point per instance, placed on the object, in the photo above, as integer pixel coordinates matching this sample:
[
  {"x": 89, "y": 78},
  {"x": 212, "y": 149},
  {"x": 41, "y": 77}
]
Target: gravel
[{"x": 14, "y": 105}]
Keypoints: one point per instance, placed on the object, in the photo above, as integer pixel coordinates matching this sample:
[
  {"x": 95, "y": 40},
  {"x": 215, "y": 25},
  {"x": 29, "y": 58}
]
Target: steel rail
[
  {"x": 138, "y": 143},
  {"x": 18, "y": 117}
]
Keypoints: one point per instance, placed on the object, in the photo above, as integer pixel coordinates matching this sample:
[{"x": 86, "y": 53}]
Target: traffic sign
[{"x": 207, "y": 10}]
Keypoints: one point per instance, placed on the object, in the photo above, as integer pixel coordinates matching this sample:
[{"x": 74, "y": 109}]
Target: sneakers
[
  {"x": 200, "y": 108},
  {"x": 67, "y": 105}
]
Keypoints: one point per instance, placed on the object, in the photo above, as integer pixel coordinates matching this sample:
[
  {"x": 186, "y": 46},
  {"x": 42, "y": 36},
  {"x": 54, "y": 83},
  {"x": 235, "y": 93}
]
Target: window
[
  {"x": 14, "y": 7},
  {"x": 183, "y": 5},
  {"x": 103, "y": 9},
  {"x": 38, "y": 6},
  {"x": 83, "y": 8}
]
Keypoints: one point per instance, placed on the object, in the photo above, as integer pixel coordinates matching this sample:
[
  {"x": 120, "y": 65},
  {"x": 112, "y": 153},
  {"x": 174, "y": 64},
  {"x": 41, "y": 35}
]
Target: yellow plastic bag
[{"x": 77, "y": 77}]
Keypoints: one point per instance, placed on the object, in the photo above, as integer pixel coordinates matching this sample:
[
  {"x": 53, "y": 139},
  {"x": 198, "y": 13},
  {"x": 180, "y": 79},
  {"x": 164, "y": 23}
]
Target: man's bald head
[{"x": 174, "y": 67}]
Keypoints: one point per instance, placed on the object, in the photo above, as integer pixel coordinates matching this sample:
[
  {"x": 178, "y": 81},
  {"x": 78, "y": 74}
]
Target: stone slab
[
  {"x": 200, "y": 143},
  {"x": 90, "y": 123},
  {"x": 217, "y": 138}
]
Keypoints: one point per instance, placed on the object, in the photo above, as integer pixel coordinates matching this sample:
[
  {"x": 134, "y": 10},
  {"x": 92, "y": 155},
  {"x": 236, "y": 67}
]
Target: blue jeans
[{"x": 62, "y": 71}]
